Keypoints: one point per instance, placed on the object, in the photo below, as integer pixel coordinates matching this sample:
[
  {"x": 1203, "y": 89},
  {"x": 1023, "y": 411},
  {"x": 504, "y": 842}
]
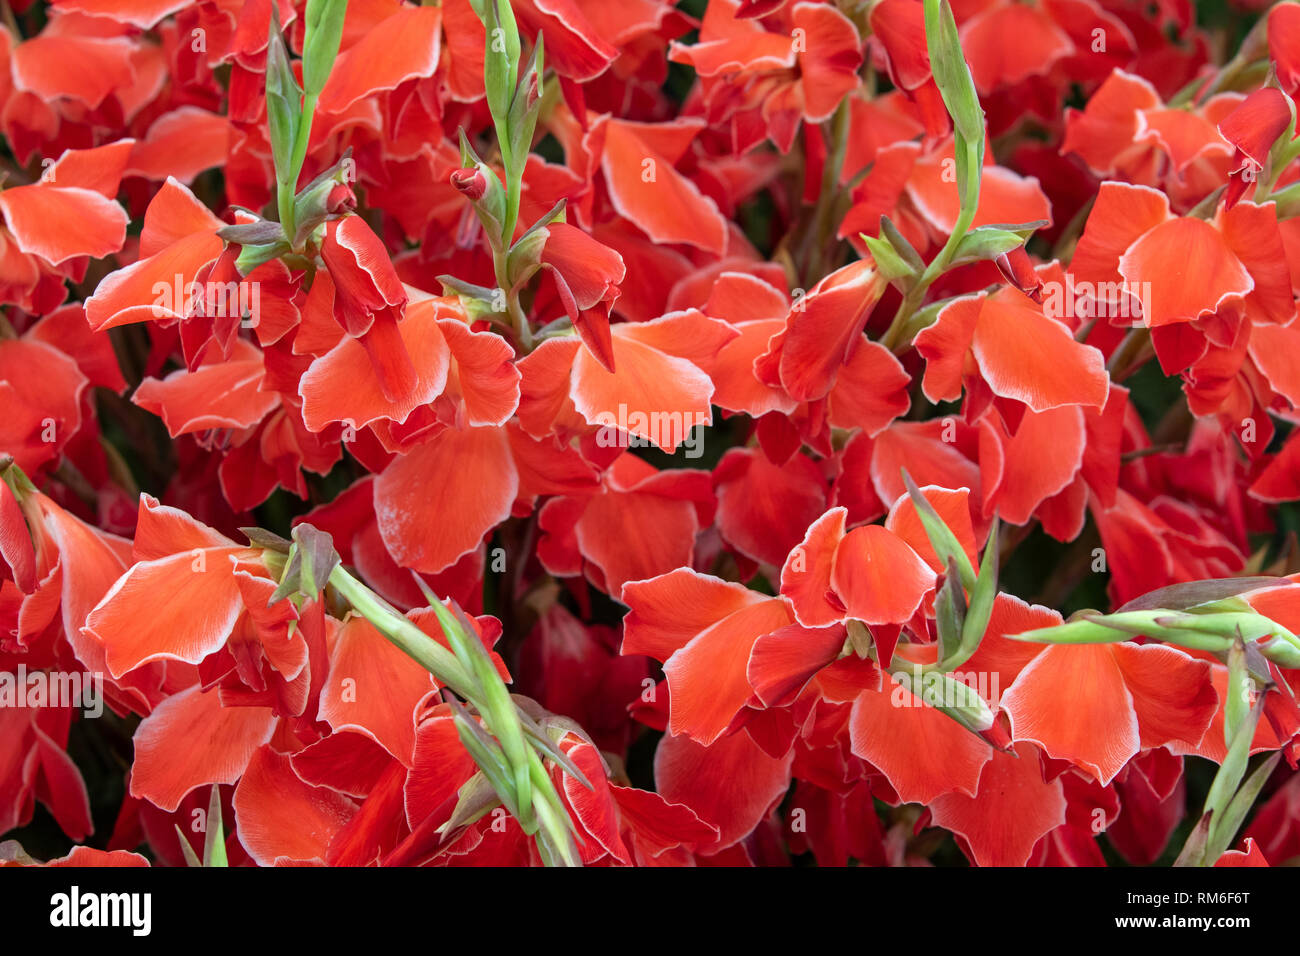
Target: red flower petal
[
  {"x": 191, "y": 740},
  {"x": 878, "y": 577},
  {"x": 373, "y": 688},
  {"x": 1020, "y": 472},
  {"x": 402, "y": 47},
  {"x": 825, "y": 327},
  {"x": 1191, "y": 269},
  {"x": 483, "y": 374},
  {"x": 1173, "y": 696},
  {"x": 953, "y": 507},
  {"x": 1099, "y": 731},
  {"x": 221, "y": 395},
  {"x": 781, "y": 663},
  {"x": 655, "y": 396},
  {"x": 922, "y": 752},
  {"x": 765, "y": 508},
  {"x": 732, "y": 784},
  {"x": 1013, "y": 808},
  {"x": 341, "y": 385},
  {"x": 1025, "y": 355},
  {"x": 707, "y": 678},
  {"x": 280, "y": 818},
  {"x": 436, "y": 503},
  {"x": 806, "y": 576},
  {"x": 668, "y": 611},
  {"x": 58, "y": 223},
  {"x": 645, "y": 187},
  {"x": 870, "y": 391},
  {"x": 202, "y": 604}
]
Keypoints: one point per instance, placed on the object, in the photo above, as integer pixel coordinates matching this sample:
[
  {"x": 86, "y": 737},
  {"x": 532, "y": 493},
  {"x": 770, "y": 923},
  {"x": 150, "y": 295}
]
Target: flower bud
[
  {"x": 1017, "y": 268},
  {"x": 481, "y": 186},
  {"x": 953, "y": 697},
  {"x": 341, "y": 199},
  {"x": 471, "y": 182}
]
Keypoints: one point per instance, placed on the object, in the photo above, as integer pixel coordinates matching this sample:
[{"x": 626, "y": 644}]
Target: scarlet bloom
[
  {"x": 868, "y": 574},
  {"x": 369, "y": 300},
  {"x": 799, "y": 68},
  {"x": 53, "y": 225},
  {"x": 587, "y": 274},
  {"x": 823, "y": 331},
  {"x": 1004, "y": 345},
  {"x": 1252, "y": 128}
]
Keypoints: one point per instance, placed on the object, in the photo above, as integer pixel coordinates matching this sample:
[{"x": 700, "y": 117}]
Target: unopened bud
[
  {"x": 955, "y": 698},
  {"x": 1017, "y": 268},
  {"x": 471, "y": 182},
  {"x": 341, "y": 199}
]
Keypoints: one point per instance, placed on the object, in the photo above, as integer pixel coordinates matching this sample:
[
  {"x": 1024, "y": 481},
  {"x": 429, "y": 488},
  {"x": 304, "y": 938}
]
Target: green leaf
[
  {"x": 319, "y": 559},
  {"x": 541, "y": 741},
  {"x": 289, "y": 580},
  {"x": 970, "y": 161},
  {"x": 987, "y": 242},
  {"x": 525, "y": 107},
  {"x": 1236, "y": 702},
  {"x": 214, "y": 837},
  {"x": 1225, "y": 830},
  {"x": 250, "y": 257},
  {"x": 262, "y": 232},
  {"x": 944, "y": 542},
  {"x": 191, "y": 858},
  {"x": 497, "y": 67},
  {"x": 1162, "y": 624},
  {"x": 1078, "y": 631},
  {"x": 859, "y": 638},
  {"x": 311, "y": 205},
  {"x": 491, "y": 207},
  {"x": 1280, "y": 651},
  {"x": 952, "y": 697},
  {"x": 1232, "y": 770},
  {"x": 982, "y": 597},
  {"x": 266, "y": 539},
  {"x": 475, "y": 799},
  {"x": 1180, "y": 597},
  {"x": 898, "y": 242},
  {"x": 488, "y": 755},
  {"x": 950, "y": 613},
  {"x": 1193, "y": 852},
  {"x": 888, "y": 262},
  {"x": 1247, "y": 625}
]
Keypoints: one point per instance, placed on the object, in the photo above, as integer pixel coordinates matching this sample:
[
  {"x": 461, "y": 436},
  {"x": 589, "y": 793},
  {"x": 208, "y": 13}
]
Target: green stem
[
  {"x": 1279, "y": 162},
  {"x": 471, "y": 674},
  {"x": 513, "y": 188},
  {"x": 815, "y": 239},
  {"x": 1131, "y": 355},
  {"x": 404, "y": 634},
  {"x": 551, "y": 818},
  {"x": 518, "y": 320},
  {"x": 287, "y": 188},
  {"x": 894, "y": 337}
]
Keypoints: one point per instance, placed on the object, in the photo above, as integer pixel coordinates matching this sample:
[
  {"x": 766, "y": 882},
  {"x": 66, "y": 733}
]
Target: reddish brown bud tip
[
  {"x": 341, "y": 199},
  {"x": 471, "y": 182}
]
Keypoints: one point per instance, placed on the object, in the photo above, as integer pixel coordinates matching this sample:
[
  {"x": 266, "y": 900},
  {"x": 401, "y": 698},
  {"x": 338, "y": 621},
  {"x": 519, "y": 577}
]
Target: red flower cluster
[{"x": 510, "y": 432}]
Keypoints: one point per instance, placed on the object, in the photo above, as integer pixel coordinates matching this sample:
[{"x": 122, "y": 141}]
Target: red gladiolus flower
[
  {"x": 1252, "y": 128},
  {"x": 587, "y": 275},
  {"x": 369, "y": 300}
]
